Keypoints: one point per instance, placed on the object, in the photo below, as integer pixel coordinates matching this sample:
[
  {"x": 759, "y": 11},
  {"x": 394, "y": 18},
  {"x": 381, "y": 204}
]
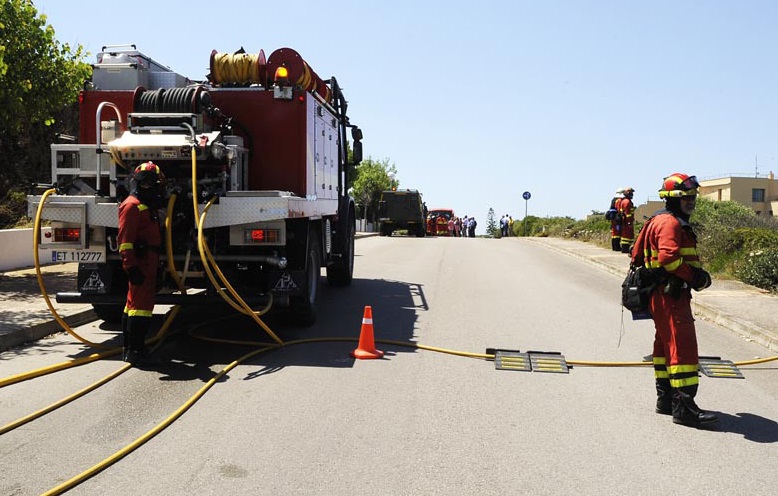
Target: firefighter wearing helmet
[
  {"x": 668, "y": 246},
  {"x": 627, "y": 215},
  {"x": 139, "y": 245}
]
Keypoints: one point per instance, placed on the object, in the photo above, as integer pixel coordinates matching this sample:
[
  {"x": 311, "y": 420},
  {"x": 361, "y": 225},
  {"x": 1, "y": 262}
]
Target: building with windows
[{"x": 759, "y": 192}]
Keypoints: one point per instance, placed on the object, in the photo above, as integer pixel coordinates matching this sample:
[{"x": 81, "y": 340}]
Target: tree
[
  {"x": 372, "y": 177},
  {"x": 39, "y": 84},
  {"x": 491, "y": 224}
]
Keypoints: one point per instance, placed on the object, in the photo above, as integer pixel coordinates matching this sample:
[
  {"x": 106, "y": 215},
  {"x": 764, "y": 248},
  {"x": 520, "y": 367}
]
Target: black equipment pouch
[{"x": 637, "y": 287}]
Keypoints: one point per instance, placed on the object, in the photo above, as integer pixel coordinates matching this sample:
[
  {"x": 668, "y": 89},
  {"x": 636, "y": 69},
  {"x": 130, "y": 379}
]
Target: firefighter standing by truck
[
  {"x": 667, "y": 246},
  {"x": 139, "y": 245},
  {"x": 627, "y": 215}
]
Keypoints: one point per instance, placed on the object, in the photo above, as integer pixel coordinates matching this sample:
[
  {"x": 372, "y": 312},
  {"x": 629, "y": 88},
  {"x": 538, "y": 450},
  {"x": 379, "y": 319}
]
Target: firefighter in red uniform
[
  {"x": 139, "y": 244},
  {"x": 616, "y": 221},
  {"x": 442, "y": 226},
  {"x": 627, "y": 214},
  {"x": 668, "y": 246}
]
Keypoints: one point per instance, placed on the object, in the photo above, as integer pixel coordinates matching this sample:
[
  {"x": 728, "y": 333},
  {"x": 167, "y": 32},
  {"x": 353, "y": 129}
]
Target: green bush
[
  {"x": 760, "y": 269},
  {"x": 727, "y": 232},
  {"x": 13, "y": 210},
  {"x": 544, "y": 226}
]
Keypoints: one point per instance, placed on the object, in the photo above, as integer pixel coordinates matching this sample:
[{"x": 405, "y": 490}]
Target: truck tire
[
  {"x": 304, "y": 306},
  {"x": 341, "y": 272}
]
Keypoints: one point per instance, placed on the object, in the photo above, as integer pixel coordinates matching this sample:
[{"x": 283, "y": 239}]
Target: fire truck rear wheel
[{"x": 304, "y": 306}]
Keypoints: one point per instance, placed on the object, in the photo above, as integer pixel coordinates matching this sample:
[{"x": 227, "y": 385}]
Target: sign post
[{"x": 526, "y": 197}]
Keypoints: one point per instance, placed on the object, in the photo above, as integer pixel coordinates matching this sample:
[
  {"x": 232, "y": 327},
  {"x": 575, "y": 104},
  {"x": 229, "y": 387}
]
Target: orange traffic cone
[{"x": 366, "y": 347}]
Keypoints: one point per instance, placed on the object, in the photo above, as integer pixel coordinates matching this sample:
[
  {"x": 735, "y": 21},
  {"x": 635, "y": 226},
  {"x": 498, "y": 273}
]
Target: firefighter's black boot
[
  {"x": 616, "y": 244},
  {"x": 664, "y": 397},
  {"x": 625, "y": 249},
  {"x": 685, "y": 410},
  {"x": 138, "y": 355},
  {"x": 125, "y": 337}
]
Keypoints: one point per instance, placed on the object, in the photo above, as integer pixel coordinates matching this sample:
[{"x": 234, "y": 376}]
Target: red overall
[
  {"x": 665, "y": 243},
  {"x": 139, "y": 242},
  {"x": 627, "y": 210},
  {"x": 442, "y": 226}
]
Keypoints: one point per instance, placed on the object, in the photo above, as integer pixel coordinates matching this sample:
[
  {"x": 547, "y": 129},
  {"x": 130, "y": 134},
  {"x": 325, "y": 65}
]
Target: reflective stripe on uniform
[
  {"x": 683, "y": 375},
  {"x": 137, "y": 313},
  {"x": 126, "y": 246},
  {"x": 689, "y": 256},
  {"x": 660, "y": 368},
  {"x": 670, "y": 267}
]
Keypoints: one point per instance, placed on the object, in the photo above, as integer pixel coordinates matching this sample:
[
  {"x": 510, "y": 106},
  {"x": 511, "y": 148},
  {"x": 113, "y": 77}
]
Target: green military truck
[{"x": 402, "y": 210}]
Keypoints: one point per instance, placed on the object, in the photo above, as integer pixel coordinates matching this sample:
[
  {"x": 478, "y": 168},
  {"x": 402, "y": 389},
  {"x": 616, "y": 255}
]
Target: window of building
[{"x": 757, "y": 195}]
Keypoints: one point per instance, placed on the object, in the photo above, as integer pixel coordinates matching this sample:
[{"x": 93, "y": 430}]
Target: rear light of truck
[
  {"x": 67, "y": 234},
  {"x": 261, "y": 236}
]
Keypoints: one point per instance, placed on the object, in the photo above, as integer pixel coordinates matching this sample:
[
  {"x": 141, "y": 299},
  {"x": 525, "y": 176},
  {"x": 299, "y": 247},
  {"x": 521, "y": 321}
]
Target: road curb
[
  {"x": 748, "y": 330},
  {"x": 45, "y": 328}
]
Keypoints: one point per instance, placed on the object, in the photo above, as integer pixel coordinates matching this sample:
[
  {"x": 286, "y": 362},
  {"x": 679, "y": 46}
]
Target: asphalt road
[{"x": 308, "y": 419}]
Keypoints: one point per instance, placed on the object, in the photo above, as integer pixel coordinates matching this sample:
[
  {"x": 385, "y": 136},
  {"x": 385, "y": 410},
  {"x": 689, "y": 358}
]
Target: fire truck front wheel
[{"x": 341, "y": 271}]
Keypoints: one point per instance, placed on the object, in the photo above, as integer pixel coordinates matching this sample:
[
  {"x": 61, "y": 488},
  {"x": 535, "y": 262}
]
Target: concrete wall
[{"x": 16, "y": 249}]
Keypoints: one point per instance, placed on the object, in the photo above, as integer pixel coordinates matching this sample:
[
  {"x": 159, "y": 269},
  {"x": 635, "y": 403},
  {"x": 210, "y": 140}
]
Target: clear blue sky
[{"x": 477, "y": 102}]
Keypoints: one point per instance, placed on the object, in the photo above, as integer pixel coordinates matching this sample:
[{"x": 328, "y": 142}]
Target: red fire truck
[
  {"x": 258, "y": 153},
  {"x": 437, "y": 221}
]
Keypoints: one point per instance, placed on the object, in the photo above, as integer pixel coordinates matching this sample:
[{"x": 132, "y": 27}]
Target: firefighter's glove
[
  {"x": 135, "y": 276},
  {"x": 700, "y": 279},
  {"x": 674, "y": 287}
]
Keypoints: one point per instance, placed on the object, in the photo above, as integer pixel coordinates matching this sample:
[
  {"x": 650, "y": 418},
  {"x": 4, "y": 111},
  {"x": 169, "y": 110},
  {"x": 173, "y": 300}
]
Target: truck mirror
[
  {"x": 357, "y": 152},
  {"x": 356, "y": 133}
]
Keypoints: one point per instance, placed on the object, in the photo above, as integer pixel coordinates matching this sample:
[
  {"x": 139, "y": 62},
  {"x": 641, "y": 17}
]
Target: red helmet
[
  {"x": 678, "y": 184},
  {"x": 149, "y": 174}
]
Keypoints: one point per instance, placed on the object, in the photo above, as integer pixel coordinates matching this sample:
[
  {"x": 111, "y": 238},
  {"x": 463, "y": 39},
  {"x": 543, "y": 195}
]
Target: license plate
[{"x": 83, "y": 256}]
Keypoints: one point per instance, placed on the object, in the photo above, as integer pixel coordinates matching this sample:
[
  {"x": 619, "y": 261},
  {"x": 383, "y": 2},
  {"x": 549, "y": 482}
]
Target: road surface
[{"x": 309, "y": 419}]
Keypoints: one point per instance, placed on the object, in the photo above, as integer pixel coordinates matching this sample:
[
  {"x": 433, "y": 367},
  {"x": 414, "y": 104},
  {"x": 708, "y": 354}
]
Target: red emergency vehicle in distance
[{"x": 437, "y": 221}]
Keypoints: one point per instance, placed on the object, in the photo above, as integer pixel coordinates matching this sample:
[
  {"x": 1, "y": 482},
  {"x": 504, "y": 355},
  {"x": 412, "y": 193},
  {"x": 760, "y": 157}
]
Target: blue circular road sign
[{"x": 526, "y": 195}]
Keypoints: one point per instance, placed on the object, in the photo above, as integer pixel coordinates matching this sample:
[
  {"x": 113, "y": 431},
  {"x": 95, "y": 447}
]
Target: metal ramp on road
[
  {"x": 718, "y": 368},
  {"x": 530, "y": 361}
]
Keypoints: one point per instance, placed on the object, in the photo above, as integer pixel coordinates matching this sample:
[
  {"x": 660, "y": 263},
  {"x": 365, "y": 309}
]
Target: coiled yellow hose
[{"x": 235, "y": 68}]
